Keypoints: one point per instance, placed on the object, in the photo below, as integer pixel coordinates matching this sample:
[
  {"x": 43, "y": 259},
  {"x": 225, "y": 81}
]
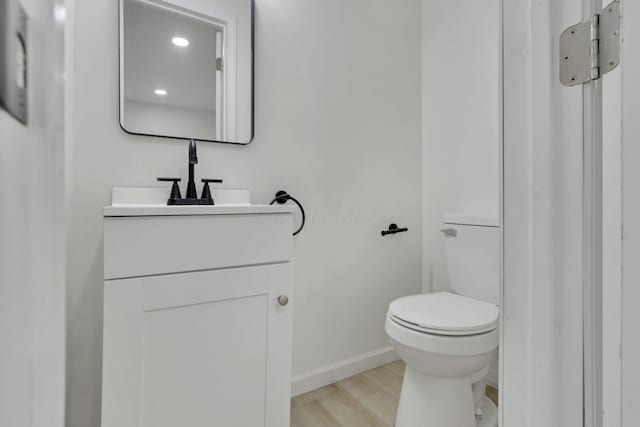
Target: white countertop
[
  {"x": 163, "y": 210},
  {"x": 141, "y": 201}
]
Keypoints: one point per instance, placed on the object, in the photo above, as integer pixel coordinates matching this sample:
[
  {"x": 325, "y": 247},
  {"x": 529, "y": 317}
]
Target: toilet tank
[{"x": 472, "y": 247}]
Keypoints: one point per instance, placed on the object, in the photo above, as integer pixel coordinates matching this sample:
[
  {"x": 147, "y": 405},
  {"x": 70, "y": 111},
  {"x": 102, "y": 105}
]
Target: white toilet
[{"x": 448, "y": 339}]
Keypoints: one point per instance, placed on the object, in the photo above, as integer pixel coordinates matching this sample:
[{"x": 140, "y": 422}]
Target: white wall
[
  {"x": 460, "y": 118},
  {"x": 16, "y": 305},
  {"x": 32, "y": 309},
  {"x": 157, "y": 119},
  {"x": 338, "y": 124}
]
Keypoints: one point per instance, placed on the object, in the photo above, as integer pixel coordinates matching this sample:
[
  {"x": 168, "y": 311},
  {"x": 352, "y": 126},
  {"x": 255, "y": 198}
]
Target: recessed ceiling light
[
  {"x": 160, "y": 92},
  {"x": 59, "y": 14},
  {"x": 180, "y": 41}
]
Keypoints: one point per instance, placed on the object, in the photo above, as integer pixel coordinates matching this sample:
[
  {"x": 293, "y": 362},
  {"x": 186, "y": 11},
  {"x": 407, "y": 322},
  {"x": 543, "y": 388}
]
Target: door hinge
[
  {"x": 591, "y": 48},
  {"x": 219, "y": 64}
]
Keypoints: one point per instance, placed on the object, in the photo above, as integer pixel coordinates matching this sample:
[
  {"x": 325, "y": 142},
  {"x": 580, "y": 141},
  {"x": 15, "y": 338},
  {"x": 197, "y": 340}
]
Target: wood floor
[{"x": 366, "y": 400}]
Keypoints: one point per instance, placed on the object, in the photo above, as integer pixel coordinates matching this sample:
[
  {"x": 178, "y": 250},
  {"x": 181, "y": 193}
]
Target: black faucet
[
  {"x": 192, "y": 194},
  {"x": 193, "y": 160}
]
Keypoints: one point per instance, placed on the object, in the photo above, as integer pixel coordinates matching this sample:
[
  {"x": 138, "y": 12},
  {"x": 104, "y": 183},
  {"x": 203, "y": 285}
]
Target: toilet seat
[
  {"x": 451, "y": 345},
  {"x": 445, "y": 314}
]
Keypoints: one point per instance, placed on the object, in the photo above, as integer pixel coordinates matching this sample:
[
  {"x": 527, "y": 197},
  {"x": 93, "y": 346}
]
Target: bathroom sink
[{"x": 137, "y": 201}]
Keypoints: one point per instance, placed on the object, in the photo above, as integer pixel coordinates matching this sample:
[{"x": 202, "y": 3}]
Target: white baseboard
[{"x": 344, "y": 369}]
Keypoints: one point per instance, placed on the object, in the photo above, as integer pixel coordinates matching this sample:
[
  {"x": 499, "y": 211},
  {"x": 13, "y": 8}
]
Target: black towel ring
[{"x": 281, "y": 198}]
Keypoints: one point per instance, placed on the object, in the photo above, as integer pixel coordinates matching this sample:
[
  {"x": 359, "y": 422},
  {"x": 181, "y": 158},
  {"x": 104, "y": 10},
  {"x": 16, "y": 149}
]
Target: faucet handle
[
  {"x": 175, "y": 188},
  {"x": 206, "y": 190}
]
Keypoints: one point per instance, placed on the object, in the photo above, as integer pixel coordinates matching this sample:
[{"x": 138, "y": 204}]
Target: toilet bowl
[
  {"x": 447, "y": 342},
  {"x": 449, "y": 339}
]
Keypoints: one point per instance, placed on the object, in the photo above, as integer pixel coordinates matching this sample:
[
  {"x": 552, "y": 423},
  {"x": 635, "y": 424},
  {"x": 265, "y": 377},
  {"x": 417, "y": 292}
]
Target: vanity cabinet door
[{"x": 198, "y": 349}]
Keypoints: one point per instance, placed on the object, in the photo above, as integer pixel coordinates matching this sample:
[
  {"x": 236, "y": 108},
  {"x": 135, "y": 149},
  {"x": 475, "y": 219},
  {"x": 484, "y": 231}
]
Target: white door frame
[
  {"x": 542, "y": 324},
  {"x": 526, "y": 216},
  {"x": 220, "y": 86}
]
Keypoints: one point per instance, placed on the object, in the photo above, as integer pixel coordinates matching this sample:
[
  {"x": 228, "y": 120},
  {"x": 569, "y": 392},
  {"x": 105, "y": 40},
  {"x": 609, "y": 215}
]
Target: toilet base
[
  {"x": 489, "y": 414},
  {"x": 429, "y": 401}
]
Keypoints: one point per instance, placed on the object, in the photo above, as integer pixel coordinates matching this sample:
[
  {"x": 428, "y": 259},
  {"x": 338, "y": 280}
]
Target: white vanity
[{"x": 197, "y": 317}]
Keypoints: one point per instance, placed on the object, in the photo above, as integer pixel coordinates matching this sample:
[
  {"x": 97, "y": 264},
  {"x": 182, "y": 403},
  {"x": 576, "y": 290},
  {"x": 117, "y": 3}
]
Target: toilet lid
[{"x": 445, "y": 313}]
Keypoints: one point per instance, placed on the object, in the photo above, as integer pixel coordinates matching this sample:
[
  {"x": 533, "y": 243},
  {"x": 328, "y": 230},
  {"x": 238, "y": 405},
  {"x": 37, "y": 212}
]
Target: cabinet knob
[{"x": 283, "y": 300}]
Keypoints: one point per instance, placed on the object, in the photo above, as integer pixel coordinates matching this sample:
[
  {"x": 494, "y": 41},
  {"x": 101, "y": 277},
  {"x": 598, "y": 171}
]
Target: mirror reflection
[{"x": 186, "y": 69}]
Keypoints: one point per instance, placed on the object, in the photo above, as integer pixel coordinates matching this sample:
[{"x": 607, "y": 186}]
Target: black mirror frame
[{"x": 253, "y": 86}]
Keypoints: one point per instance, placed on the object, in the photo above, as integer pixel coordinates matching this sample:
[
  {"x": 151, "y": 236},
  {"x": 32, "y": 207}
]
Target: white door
[
  {"x": 630, "y": 212},
  {"x": 198, "y": 349},
  {"x": 611, "y": 246}
]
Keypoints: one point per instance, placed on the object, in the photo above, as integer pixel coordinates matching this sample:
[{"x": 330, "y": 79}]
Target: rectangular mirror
[{"x": 186, "y": 69}]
